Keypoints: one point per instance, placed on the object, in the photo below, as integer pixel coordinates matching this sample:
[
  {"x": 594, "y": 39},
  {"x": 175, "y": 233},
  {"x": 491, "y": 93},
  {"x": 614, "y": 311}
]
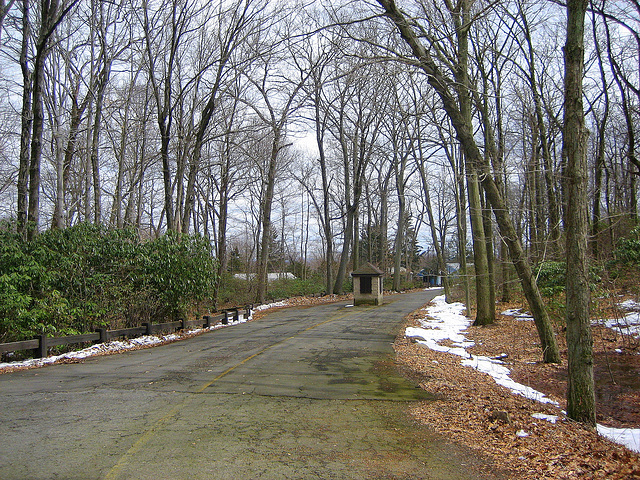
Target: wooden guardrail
[{"x": 41, "y": 345}]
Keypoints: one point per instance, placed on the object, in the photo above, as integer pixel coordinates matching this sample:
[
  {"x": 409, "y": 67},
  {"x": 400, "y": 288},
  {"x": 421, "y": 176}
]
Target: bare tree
[
  {"x": 4, "y": 10},
  {"x": 356, "y": 126},
  {"x": 443, "y": 86},
  {"x": 278, "y": 98},
  {"x": 580, "y": 390},
  {"x": 51, "y": 14},
  {"x": 238, "y": 23}
]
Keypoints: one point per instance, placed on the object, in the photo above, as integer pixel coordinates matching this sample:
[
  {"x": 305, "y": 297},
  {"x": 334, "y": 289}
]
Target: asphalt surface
[{"x": 303, "y": 393}]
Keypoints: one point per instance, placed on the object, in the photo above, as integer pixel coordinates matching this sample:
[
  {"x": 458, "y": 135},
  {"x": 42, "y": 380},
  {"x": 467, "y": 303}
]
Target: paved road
[{"x": 304, "y": 393}]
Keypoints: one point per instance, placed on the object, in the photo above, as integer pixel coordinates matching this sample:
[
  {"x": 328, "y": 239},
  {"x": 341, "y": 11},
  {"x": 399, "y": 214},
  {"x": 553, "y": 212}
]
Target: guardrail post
[
  {"x": 236, "y": 314},
  {"x": 42, "y": 350},
  {"x": 104, "y": 335},
  {"x": 149, "y": 328},
  {"x": 225, "y": 320},
  {"x": 207, "y": 321}
]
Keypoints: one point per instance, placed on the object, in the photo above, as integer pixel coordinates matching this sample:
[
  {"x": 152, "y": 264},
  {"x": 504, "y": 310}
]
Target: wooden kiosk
[{"x": 367, "y": 285}]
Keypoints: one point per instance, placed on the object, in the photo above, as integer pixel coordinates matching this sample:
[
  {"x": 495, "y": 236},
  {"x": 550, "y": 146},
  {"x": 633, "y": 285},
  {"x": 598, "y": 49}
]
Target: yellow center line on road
[{"x": 129, "y": 455}]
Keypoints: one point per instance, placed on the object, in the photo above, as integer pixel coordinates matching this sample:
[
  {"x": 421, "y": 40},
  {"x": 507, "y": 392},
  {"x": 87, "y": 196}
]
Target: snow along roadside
[
  {"x": 444, "y": 321},
  {"x": 117, "y": 346}
]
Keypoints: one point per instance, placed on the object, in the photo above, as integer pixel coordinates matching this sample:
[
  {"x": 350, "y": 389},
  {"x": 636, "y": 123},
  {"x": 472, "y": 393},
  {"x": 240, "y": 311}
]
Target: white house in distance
[{"x": 271, "y": 277}]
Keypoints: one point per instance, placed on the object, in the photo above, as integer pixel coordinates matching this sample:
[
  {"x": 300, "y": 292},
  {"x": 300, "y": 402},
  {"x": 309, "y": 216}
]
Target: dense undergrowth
[{"x": 84, "y": 277}]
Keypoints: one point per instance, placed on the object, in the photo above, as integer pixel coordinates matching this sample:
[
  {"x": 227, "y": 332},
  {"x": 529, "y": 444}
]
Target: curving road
[{"x": 304, "y": 393}]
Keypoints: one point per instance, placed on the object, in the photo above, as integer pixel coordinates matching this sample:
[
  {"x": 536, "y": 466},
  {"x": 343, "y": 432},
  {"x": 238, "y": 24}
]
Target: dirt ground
[{"x": 473, "y": 410}]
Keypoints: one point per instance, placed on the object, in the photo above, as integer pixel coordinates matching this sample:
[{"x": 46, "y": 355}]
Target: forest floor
[{"x": 472, "y": 409}]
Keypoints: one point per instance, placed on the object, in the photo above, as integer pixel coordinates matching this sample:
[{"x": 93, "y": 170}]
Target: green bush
[
  {"x": 74, "y": 280},
  {"x": 180, "y": 270},
  {"x": 552, "y": 277},
  {"x": 627, "y": 251}
]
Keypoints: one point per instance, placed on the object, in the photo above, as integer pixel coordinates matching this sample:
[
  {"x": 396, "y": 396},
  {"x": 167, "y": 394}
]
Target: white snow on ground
[
  {"x": 444, "y": 321},
  {"x": 116, "y": 346},
  {"x": 544, "y": 416},
  {"x": 630, "y": 305},
  {"x": 267, "y": 306},
  {"x": 627, "y": 325},
  {"x": 629, "y": 437},
  {"x": 517, "y": 314}
]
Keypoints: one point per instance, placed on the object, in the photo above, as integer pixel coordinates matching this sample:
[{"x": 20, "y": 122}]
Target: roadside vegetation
[
  {"x": 71, "y": 281},
  {"x": 75, "y": 280}
]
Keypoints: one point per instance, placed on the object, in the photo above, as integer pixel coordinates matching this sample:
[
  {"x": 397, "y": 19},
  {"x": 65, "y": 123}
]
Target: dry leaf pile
[{"x": 471, "y": 409}]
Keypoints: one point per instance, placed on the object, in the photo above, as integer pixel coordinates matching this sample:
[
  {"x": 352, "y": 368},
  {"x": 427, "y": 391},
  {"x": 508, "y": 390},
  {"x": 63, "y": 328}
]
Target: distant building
[
  {"x": 367, "y": 285},
  {"x": 430, "y": 279},
  {"x": 452, "y": 268},
  {"x": 271, "y": 277}
]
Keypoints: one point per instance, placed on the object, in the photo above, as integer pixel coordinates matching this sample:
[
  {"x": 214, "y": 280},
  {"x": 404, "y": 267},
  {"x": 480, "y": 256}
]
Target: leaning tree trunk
[
  {"x": 442, "y": 86},
  {"x": 580, "y": 391}
]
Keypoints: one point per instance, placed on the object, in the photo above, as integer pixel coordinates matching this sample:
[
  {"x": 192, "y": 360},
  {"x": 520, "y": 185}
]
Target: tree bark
[
  {"x": 485, "y": 311},
  {"x": 265, "y": 209},
  {"x": 580, "y": 390},
  {"x": 400, "y": 232},
  {"x": 27, "y": 122}
]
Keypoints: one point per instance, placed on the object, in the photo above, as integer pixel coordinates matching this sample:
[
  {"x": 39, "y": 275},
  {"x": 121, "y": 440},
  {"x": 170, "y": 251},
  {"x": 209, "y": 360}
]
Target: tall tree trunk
[
  {"x": 580, "y": 390},
  {"x": 338, "y": 287},
  {"x": 326, "y": 205},
  {"x": 461, "y": 220},
  {"x": 265, "y": 213},
  {"x": 400, "y": 232},
  {"x": 27, "y": 122},
  {"x": 33, "y": 211},
  {"x": 485, "y": 311}
]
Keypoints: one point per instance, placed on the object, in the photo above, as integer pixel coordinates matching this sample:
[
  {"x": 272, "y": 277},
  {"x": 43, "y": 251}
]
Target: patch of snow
[
  {"x": 517, "y": 314},
  {"x": 629, "y": 437},
  {"x": 501, "y": 376},
  {"x": 444, "y": 321},
  {"x": 627, "y": 325},
  {"x": 116, "y": 346},
  {"x": 630, "y": 305},
  {"x": 267, "y": 306},
  {"x": 544, "y": 416}
]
